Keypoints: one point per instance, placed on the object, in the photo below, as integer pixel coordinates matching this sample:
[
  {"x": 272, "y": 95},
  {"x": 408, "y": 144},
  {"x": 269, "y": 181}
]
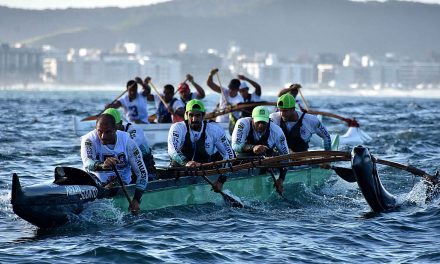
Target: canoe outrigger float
[{"x": 52, "y": 204}]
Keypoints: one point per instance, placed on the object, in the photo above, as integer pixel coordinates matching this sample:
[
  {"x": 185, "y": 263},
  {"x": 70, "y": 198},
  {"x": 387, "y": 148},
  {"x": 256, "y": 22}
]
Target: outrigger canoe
[{"x": 52, "y": 204}]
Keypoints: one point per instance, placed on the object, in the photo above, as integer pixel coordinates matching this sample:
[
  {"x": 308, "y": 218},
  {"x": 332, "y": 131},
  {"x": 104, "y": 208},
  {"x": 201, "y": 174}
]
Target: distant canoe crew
[
  {"x": 298, "y": 126},
  {"x": 257, "y": 135},
  {"x": 249, "y": 97},
  {"x": 105, "y": 147},
  {"x": 185, "y": 91},
  {"x": 134, "y": 104},
  {"x": 139, "y": 138},
  {"x": 196, "y": 141},
  {"x": 231, "y": 97},
  {"x": 163, "y": 115}
]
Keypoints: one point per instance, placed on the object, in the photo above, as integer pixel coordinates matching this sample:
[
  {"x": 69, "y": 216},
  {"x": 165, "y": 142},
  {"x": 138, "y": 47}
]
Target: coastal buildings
[{"x": 23, "y": 65}]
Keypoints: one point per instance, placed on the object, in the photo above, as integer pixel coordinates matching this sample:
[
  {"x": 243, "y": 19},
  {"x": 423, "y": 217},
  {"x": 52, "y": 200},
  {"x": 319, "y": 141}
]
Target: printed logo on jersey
[{"x": 88, "y": 145}]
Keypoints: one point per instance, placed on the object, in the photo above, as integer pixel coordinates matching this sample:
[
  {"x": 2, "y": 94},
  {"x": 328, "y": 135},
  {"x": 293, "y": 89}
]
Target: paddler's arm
[
  {"x": 253, "y": 83},
  {"x": 176, "y": 137},
  {"x": 200, "y": 91},
  {"x": 293, "y": 87},
  {"x": 116, "y": 104},
  {"x": 138, "y": 167},
  {"x": 211, "y": 84},
  {"x": 222, "y": 143},
  {"x": 323, "y": 133},
  {"x": 283, "y": 149},
  {"x": 239, "y": 135},
  {"x": 87, "y": 154},
  {"x": 146, "y": 89}
]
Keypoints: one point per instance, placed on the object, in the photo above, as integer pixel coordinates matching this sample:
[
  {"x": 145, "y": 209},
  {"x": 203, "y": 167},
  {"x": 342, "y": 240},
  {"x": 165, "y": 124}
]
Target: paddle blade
[
  {"x": 89, "y": 118},
  {"x": 345, "y": 173},
  {"x": 231, "y": 199}
]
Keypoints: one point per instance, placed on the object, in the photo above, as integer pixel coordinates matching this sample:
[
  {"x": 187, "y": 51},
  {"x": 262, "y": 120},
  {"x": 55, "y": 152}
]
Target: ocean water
[{"x": 330, "y": 225}]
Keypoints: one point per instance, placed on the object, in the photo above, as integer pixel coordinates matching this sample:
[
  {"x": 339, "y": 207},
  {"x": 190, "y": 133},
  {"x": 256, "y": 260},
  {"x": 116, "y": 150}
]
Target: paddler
[
  {"x": 185, "y": 91},
  {"x": 229, "y": 96},
  {"x": 259, "y": 136},
  {"x": 196, "y": 141},
  {"x": 163, "y": 112},
  {"x": 298, "y": 126},
  {"x": 106, "y": 147},
  {"x": 138, "y": 136},
  {"x": 134, "y": 104},
  {"x": 249, "y": 97}
]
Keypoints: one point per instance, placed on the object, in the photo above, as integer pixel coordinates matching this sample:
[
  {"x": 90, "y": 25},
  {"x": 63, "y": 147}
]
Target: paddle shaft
[
  {"x": 227, "y": 198},
  {"x": 303, "y": 99},
  {"x": 102, "y": 111},
  {"x": 408, "y": 168},
  {"x": 221, "y": 88},
  {"x": 161, "y": 98},
  {"x": 121, "y": 182}
]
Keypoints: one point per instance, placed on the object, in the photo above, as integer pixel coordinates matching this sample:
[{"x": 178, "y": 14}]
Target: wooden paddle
[
  {"x": 176, "y": 118},
  {"x": 221, "y": 89},
  {"x": 121, "y": 182},
  {"x": 348, "y": 174},
  {"x": 282, "y": 171},
  {"x": 228, "y": 199},
  {"x": 236, "y": 107},
  {"x": 94, "y": 117},
  {"x": 303, "y": 99}
]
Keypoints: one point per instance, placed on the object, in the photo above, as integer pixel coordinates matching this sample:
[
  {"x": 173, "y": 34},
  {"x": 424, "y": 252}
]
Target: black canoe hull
[
  {"x": 369, "y": 182},
  {"x": 52, "y": 204}
]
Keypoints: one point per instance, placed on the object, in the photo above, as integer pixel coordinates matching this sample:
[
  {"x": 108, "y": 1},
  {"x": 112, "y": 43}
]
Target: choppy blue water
[{"x": 329, "y": 225}]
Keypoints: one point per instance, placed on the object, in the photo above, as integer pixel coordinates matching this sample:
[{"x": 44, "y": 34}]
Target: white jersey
[
  {"x": 310, "y": 125},
  {"x": 231, "y": 100},
  {"x": 93, "y": 152},
  {"x": 137, "y": 134},
  {"x": 215, "y": 141},
  {"x": 135, "y": 110},
  {"x": 241, "y": 131}
]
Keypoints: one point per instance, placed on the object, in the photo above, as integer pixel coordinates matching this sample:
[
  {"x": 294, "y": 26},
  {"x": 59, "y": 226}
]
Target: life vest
[
  {"x": 263, "y": 139},
  {"x": 163, "y": 116},
  {"x": 247, "y": 112},
  {"x": 294, "y": 139},
  {"x": 196, "y": 151}
]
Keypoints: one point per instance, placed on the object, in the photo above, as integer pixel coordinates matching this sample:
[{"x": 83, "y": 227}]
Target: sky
[{"x": 57, "y": 4}]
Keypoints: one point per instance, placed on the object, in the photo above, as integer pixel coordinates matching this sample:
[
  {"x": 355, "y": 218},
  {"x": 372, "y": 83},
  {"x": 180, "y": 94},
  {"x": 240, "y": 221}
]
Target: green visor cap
[
  {"x": 286, "y": 101},
  {"x": 260, "y": 113},
  {"x": 195, "y": 105},
  {"x": 115, "y": 113}
]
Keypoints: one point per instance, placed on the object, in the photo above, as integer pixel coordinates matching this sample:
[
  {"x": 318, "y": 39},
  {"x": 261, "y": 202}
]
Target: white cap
[
  {"x": 243, "y": 85},
  {"x": 287, "y": 85}
]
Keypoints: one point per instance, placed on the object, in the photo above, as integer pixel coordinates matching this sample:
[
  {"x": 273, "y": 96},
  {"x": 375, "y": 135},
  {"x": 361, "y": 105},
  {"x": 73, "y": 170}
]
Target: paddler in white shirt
[
  {"x": 229, "y": 96},
  {"x": 196, "y": 141},
  {"x": 105, "y": 147},
  {"x": 138, "y": 136},
  {"x": 134, "y": 104},
  {"x": 249, "y": 97},
  {"x": 258, "y": 136},
  {"x": 298, "y": 126}
]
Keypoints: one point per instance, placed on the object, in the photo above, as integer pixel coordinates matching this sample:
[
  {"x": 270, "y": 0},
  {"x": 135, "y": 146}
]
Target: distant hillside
[{"x": 288, "y": 27}]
